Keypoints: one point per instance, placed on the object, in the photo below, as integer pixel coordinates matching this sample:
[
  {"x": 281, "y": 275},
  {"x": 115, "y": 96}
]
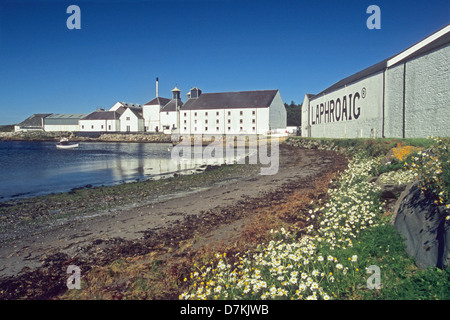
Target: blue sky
[{"x": 217, "y": 45}]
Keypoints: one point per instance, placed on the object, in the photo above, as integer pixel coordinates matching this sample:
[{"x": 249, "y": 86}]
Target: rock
[
  {"x": 391, "y": 191},
  {"x": 423, "y": 225},
  {"x": 388, "y": 158}
]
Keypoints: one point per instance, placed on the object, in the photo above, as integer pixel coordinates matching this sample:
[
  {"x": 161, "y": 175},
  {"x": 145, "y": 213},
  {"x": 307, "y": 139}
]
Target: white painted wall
[
  {"x": 225, "y": 121},
  {"x": 99, "y": 125},
  {"x": 354, "y": 111},
  {"x": 151, "y": 115},
  {"x": 116, "y": 106},
  {"x": 428, "y": 95},
  {"x": 416, "y": 102},
  {"x": 59, "y": 128},
  {"x": 278, "y": 116},
  {"x": 169, "y": 119},
  {"x": 129, "y": 122}
]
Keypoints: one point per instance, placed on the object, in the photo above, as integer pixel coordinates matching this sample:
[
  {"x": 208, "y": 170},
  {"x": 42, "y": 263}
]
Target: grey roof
[
  {"x": 229, "y": 100},
  {"x": 64, "y": 119},
  {"x": 137, "y": 112},
  {"x": 102, "y": 115},
  {"x": 382, "y": 65},
  {"x": 158, "y": 101},
  {"x": 34, "y": 121},
  {"x": 172, "y": 105},
  {"x": 121, "y": 110},
  {"x": 130, "y": 105},
  {"x": 74, "y": 116}
]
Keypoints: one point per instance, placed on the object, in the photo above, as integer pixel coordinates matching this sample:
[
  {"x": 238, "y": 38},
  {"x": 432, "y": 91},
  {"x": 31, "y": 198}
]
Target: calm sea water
[{"x": 36, "y": 168}]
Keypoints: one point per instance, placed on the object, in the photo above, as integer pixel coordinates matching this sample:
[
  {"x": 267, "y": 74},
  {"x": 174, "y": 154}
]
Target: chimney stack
[{"x": 157, "y": 87}]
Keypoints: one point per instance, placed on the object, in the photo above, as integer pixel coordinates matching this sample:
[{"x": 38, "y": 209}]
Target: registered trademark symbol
[{"x": 363, "y": 93}]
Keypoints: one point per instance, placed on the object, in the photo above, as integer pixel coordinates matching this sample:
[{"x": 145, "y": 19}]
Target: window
[
  {"x": 102, "y": 126},
  {"x": 217, "y": 128},
  {"x": 241, "y": 129},
  {"x": 109, "y": 127},
  {"x": 241, "y": 113},
  {"x": 206, "y": 121},
  {"x": 206, "y": 113},
  {"x": 185, "y": 121},
  {"x": 185, "y": 114},
  {"x": 253, "y": 129},
  {"x": 167, "y": 113},
  {"x": 229, "y": 113},
  {"x": 229, "y": 120},
  {"x": 217, "y": 113},
  {"x": 92, "y": 127},
  {"x": 253, "y": 112},
  {"x": 128, "y": 118},
  {"x": 241, "y": 121},
  {"x": 217, "y": 121},
  {"x": 82, "y": 127},
  {"x": 206, "y": 128},
  {"x": 195, "y": 114},
  {"x": 195, "y": 129},
  {"x": 185, "y": 129},
  {"x": 195, "y": 121},
  {"x": 253, "y": 120},
  {"x": 229, "y": 128}
]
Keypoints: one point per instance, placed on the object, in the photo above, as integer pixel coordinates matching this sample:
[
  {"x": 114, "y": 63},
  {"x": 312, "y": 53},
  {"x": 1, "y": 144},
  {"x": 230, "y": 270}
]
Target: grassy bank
[{"x": 348, "y": 238}]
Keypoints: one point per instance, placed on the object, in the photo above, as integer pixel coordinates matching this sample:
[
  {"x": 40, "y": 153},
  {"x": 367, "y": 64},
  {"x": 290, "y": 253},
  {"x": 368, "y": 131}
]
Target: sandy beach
[{"x": 214, "y": 212}]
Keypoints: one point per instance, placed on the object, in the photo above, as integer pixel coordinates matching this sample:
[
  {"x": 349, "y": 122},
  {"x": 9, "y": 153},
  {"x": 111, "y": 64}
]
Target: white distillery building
[
  {"x": 244, "y": 112},
  {"x": 405, "y": 96},
  {"x": 63, "y": 122},
  {"x": 101, "y": 121}
]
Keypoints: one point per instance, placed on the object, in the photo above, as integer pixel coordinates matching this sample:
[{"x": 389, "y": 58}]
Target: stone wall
[{"x": 74, "y": 136}]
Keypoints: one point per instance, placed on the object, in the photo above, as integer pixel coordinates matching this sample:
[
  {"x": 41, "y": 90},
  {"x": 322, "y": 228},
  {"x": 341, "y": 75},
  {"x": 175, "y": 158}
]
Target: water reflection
[{"x": 36, "y": 168}]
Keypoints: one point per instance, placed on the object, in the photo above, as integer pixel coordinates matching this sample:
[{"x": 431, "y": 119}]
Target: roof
[
  {"x": 136, "y": 111},
  {"x": 158, "y": 101},
  {"x": 230, "y": 100},
  {"x": 66, "y": 115},
  {"x": 130, "y": 105},
  {"x": 102, "y": 115},
  {"x": 172, "y": 105},
  {"x": 34, "y": 121},
  {"x": 432, "y": 42}
]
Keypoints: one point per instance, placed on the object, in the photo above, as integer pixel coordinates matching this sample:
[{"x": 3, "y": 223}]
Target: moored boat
[{"x": 64, "y": 144}]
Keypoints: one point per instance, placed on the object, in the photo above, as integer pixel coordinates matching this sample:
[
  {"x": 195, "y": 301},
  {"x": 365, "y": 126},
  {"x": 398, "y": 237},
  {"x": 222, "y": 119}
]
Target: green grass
[{"x": 350, "y": 235}]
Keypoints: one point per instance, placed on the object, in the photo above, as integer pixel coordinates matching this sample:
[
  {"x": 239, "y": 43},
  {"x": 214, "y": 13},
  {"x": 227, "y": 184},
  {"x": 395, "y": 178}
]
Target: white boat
[{"x": 64, "y": 144}]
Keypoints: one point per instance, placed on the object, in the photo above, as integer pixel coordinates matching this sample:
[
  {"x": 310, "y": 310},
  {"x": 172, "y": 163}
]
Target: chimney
[{"x": 157, "y": 87}]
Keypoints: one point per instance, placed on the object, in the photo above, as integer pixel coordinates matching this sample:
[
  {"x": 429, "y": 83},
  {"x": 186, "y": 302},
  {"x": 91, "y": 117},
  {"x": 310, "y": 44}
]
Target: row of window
[
  {"x": 103, "y": 127},
  {"x": 218, "y": 121},
  {"x": 218, "y": 129},
  {"x": 241, "y": 113}
]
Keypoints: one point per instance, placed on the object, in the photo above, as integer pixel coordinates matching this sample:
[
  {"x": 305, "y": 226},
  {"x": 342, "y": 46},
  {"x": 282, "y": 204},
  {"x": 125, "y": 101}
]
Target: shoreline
[
  {"x": 215, "y": 207},
  {"x": 88, "y": 137}
]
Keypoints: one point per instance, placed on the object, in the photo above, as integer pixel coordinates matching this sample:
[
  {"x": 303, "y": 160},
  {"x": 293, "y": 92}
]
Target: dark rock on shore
[{"x": 423, "y": 225}]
